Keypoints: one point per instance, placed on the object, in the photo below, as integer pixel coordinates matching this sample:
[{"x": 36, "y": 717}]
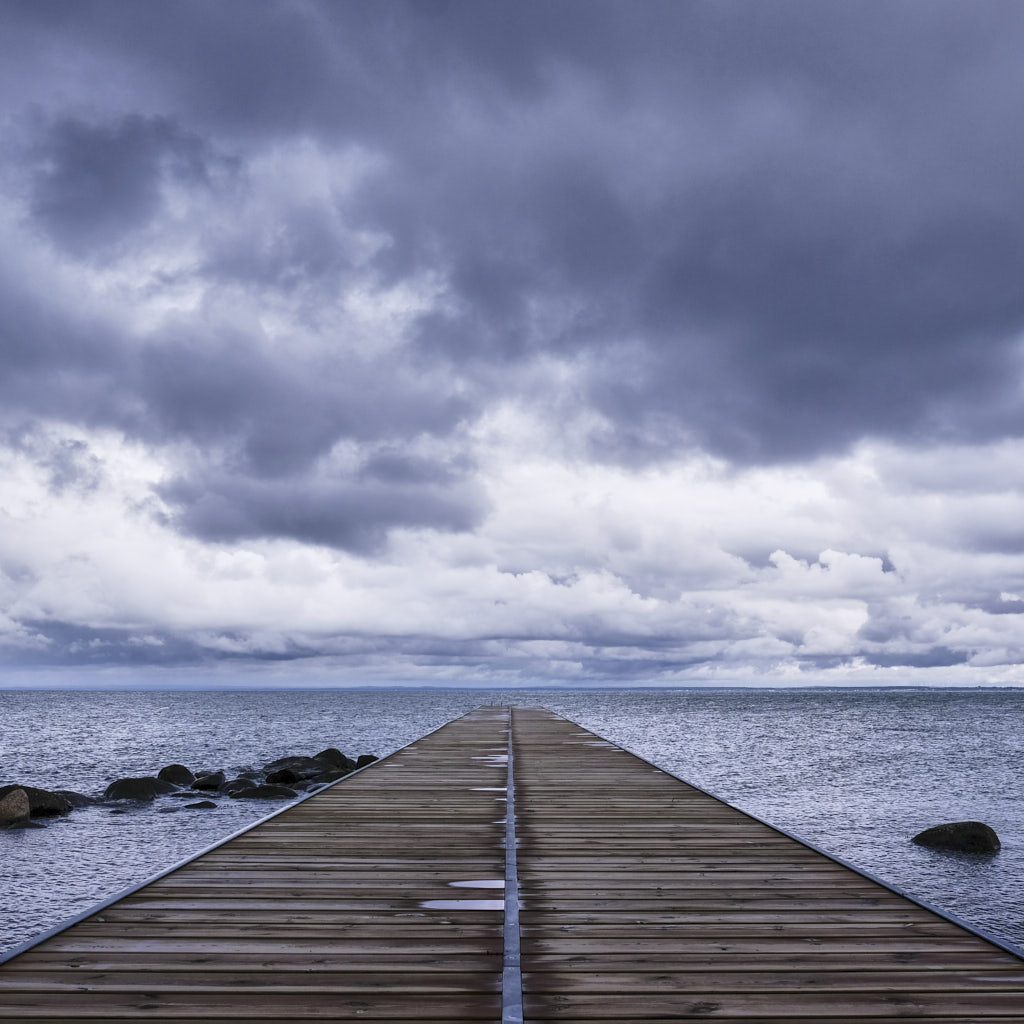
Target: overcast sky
[{"x": 553, "y": 341}]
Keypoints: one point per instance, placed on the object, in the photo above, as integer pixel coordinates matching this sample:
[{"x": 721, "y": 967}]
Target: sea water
[{"x": 856, "y": 773}]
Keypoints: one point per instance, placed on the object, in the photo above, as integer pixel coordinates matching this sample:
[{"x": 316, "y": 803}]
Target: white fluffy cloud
[{"x": 579, "y": 571}]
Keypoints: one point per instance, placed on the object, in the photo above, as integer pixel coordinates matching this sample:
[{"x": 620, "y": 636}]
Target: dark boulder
[
  {"x": 209, "y": 780},
  {"x": 42, "y": 803},
  {"x": 76, "y": 799},
  {"x": 234, "y": 786},
  {"x": 200, "y": 804},
  {"x": 961, "y": 837},
  {"x": 176, "y": 774},
  {"x": 284, "y": 776},
  {"x": 14, "y": 806},
  {"x": 331, "y": 756},
  {"x": 148, "y": 787},
  {"x": 266, "y": 793},
  {"x": 365, "y": 759},
  {"x": 303, "y": 767},
  {"x": 326, "y": 778}
]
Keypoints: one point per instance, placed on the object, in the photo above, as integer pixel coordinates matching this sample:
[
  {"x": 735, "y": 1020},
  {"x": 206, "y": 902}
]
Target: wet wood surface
[
  {"x": 645, "y": 899},
  {"x": 320, "y": 913},
  {"x": 642, "y": 899}
]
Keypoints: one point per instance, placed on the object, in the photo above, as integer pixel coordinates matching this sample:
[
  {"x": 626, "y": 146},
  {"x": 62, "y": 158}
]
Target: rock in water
[
  {"x": 265, "y": 793},
  {"x": 76, "y": 799},
  {"x": 326, "y": 778},
  {"x": 177, "y": 774},
  {"x": 303, "y": 767},
  {"x": 332, "y": 756},
  {"x": 365, "y": 759},
  {"x": 211, "y": 780},
  {"x": 235, "y": 786},
  {"x": 42, "y": 802},
  {"x": 14, "y": 807},
  {"x": 961, "y": 836},
  {"x": 148, "y": 787},
  {"x": 201, "y": 804}
]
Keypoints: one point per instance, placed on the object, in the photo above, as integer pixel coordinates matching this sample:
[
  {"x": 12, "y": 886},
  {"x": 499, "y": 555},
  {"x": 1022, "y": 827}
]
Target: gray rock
[
  {"x": 960, "y": 836},
  {"x": 14, "y": 807},
  {"x": 146, "y": 787},
  {"x": 285, "y": 776},
  {"x": 365, "y": 759},
  {"x": 42, "y": 802},
  {"x": 168, "y": 810},
  {"x": 201, "y": 804},
  {"x": 176, "y": 774},
  {"x": 209, "y": 780},
  {"x": 266, "y": 793}
]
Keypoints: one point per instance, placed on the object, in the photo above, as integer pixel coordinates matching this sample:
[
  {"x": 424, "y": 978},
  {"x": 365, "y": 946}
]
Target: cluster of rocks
[
  {"x": 283, "y": 779},
  {"x": 21, "y": 805}
]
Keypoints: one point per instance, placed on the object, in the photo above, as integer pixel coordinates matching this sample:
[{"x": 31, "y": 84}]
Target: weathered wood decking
[{"x": 641, "y": 899}]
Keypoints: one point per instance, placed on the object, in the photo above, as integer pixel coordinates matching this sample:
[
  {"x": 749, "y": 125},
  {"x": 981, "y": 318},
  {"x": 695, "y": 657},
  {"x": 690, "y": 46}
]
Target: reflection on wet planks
[
  {"x": 646, "y": 899},
  {"x": 373, "y": 900}
]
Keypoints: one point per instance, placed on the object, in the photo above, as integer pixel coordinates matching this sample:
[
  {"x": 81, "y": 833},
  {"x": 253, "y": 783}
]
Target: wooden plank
[
  {"x": 924, "y": 962},
  {"x": 235, "y": 961},
  {"x": 905, "y": 1002},
  {"x": 789, "y": 982},
  {"x": 294, "y": 982},
  {"x": 98, "y": 1004}
]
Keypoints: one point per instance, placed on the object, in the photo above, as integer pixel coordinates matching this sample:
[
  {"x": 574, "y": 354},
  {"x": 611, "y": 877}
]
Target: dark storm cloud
[
  {"x": 97, "y": 181},
  {"x": 72, "y": 643},
  {"x": 301, "y": 249},
  {"x": 768, "y": 230},
  {"x": 935, "y": 657},
  {"x": 831, "y": 248},
  {"x": 351, "y": 514},
  {"x": 283, "y": 408},
  {"x": 209, "y": 383},
  {"x": 262, "y": 418}
]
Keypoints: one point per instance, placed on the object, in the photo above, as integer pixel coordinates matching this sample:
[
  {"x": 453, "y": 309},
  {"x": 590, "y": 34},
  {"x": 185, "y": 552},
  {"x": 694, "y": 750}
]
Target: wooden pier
[{"x": 631, "y": 897}]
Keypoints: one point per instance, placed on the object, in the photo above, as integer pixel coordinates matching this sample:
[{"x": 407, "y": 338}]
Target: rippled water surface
[{"x": 855, "y": 772}]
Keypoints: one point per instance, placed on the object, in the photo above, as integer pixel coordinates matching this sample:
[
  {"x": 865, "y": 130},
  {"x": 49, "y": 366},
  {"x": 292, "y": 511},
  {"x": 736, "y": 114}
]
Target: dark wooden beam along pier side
[{"x": 612, "y": 892}]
